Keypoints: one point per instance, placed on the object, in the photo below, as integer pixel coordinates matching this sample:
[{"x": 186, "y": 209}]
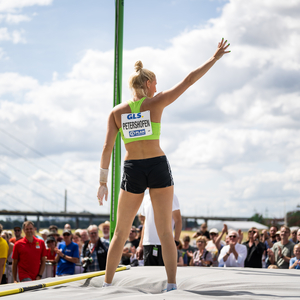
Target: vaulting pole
[
  {"x": 116, "y": 154},
  {"x": 53, "y": 283}
]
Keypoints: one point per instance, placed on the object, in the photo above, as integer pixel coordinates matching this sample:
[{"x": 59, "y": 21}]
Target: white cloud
[
  {"x": 14, "y": 18},
  {"x": 3, "y": 55},
  {"x": 16, "y": 36},
  {"x": 232, "y": 139},
  {"x": 12, "y": 6}
]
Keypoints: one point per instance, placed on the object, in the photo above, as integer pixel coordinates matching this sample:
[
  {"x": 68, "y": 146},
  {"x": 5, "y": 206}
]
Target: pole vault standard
[{"x": 116, "y": 154}]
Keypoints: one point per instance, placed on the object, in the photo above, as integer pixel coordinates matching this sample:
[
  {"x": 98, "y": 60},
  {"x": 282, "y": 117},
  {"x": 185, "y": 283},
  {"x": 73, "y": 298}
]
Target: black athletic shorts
[{"x": 152, "y": 172}]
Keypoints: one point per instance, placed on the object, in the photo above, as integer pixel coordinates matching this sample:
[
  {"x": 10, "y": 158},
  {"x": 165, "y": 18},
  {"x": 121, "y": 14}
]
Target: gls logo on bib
[
  {"x": 134, "y": 116},
  {"x": 136, "y": 124}
]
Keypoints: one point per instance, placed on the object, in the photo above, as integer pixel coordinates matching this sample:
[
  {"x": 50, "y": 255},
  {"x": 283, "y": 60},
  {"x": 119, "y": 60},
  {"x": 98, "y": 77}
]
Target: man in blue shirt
[{"x": 67, "y": 255}]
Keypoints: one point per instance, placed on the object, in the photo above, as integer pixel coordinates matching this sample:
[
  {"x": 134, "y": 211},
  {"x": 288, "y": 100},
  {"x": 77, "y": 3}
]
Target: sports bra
[{"x": 135, "y": 107}]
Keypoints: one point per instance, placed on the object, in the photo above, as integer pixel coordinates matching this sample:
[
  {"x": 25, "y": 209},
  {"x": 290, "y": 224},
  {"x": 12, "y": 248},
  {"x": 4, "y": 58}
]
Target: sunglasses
[
  {"x": 93, "y": 232},
  {"x": 232, "y": 236},
  {"x": 17, "y": 229},
  {"x": 66, "y": 234},
  {"x": 132, "y": 231},
  {"x": 50, "y": 242}
]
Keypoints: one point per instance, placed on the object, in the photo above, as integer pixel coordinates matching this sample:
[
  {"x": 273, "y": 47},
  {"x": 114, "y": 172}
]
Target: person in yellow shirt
[{"x": 3, "y": 256}]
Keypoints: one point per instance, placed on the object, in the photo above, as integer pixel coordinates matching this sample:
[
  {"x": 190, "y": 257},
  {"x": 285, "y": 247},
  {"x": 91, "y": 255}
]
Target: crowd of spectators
[{"x": 28, "y": 252}]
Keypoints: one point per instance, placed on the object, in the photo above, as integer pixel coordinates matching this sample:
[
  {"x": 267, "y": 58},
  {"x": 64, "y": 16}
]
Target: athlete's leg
[
  {"x": 162, "y": 200},
  {"x": 128, "y": 206}
]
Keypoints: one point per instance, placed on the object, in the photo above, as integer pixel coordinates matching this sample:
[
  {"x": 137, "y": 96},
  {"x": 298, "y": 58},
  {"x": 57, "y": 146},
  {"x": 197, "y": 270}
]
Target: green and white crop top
[{"x": 137, "y": 125}]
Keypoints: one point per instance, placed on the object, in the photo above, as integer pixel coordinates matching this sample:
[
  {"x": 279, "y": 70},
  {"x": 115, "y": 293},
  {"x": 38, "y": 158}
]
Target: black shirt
[{"x": 254, "y": 255}]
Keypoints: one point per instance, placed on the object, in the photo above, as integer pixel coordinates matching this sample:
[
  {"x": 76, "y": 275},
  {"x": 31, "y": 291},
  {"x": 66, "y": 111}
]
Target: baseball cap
[
  {"x": 67, "y": 231},
  {"x": 214, "y": 230},
  {"x": 49, "y": 239}
]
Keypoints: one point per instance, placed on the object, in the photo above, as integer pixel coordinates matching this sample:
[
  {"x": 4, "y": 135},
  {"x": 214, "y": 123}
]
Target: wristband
[
  {"x": 103, "y": 175},
  {"x": 64, "y": 256},
  {"x": 177, "y": 243},
  {"x": 227, "y": 254},
  {"x": 39, "y": 275}
]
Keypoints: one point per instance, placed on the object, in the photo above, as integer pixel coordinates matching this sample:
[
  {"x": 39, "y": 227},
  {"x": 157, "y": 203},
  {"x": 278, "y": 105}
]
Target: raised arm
[
  {"x": 111, "y": 133},
  {"x": 167, "y": 97}
]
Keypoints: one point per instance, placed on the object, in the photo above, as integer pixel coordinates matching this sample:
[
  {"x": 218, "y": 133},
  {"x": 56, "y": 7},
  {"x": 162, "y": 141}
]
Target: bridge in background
[{"x": 104, "y": 217}]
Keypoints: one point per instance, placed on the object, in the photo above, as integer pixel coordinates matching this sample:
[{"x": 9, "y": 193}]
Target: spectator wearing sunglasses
[
  {"x": 67, "y": 255},
  {"x": 18, "y": 234},
  {"x": 255, "y": 249},
  {"x": 233, "y": 254}
]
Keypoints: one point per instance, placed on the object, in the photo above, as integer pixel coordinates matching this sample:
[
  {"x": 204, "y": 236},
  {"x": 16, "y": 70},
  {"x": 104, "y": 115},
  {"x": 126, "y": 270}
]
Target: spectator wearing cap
[
  {"x": 94, "y": 253},
  {"x": 29, "y": 255},
  {"x": 255, "y": 249},
  {"x": 3, "y": 256},
  {"x": 294, "y": 236},
  {"x": 17, "y": 233},
  {"x": 56, "y": 235},
  {"x": 52, "y": 229},
  {"x": 50, "y": 252},
  {"x": 67, "y": 255},
  {"x": 44, "y": 233},
  {"x": 277, "y": 236},
  {"x": 282, "y": 251},
  {"x": 214, "y": 245},
  {"x": 104, "y": 227},
  {"x": 202, "y": 231},
  {"x": 233, "y": 254}
]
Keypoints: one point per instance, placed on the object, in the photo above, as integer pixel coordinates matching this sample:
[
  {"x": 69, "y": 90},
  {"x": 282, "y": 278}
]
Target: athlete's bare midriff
[{"x": 143, "y": 150}]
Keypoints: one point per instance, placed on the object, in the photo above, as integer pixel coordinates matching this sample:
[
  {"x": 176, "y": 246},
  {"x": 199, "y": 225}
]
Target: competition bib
[{"x": 136, "y": 125}]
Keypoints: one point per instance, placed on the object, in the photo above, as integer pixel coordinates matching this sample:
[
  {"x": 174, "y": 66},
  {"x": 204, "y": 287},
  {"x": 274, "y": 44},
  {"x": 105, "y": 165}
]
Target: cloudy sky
[{"x": 232, "y": 139}]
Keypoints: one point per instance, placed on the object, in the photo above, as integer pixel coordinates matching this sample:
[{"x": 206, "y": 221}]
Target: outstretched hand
[
  {"x": 222, "y": 47},
  {"x": 102, "y": 191}
]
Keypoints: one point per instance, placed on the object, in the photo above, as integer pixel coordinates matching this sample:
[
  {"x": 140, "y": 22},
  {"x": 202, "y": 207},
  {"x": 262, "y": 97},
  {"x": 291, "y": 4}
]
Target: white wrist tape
[{"x": 103, "y": 175}]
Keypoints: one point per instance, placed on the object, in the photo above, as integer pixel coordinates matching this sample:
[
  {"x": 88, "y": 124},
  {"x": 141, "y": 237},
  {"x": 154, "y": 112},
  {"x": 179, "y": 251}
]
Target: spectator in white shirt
[{"x": 233, "y": 254}]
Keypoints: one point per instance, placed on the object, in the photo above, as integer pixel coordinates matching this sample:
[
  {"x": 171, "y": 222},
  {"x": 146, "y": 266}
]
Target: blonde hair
[
  {"x": 202, "y": 238},
  {"x": 296, "y": 246},
  {"x": 137, "y": 80}
]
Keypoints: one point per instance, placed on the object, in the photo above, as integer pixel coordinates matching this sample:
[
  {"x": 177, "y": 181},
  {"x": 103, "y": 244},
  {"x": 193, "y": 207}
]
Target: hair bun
[{"x": 138, "y": 66}]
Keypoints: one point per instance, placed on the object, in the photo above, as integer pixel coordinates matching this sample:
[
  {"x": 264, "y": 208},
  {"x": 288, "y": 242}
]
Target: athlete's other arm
[
  {"x": 167, "y": 97},
  {"x": 111, "y": 134}
]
